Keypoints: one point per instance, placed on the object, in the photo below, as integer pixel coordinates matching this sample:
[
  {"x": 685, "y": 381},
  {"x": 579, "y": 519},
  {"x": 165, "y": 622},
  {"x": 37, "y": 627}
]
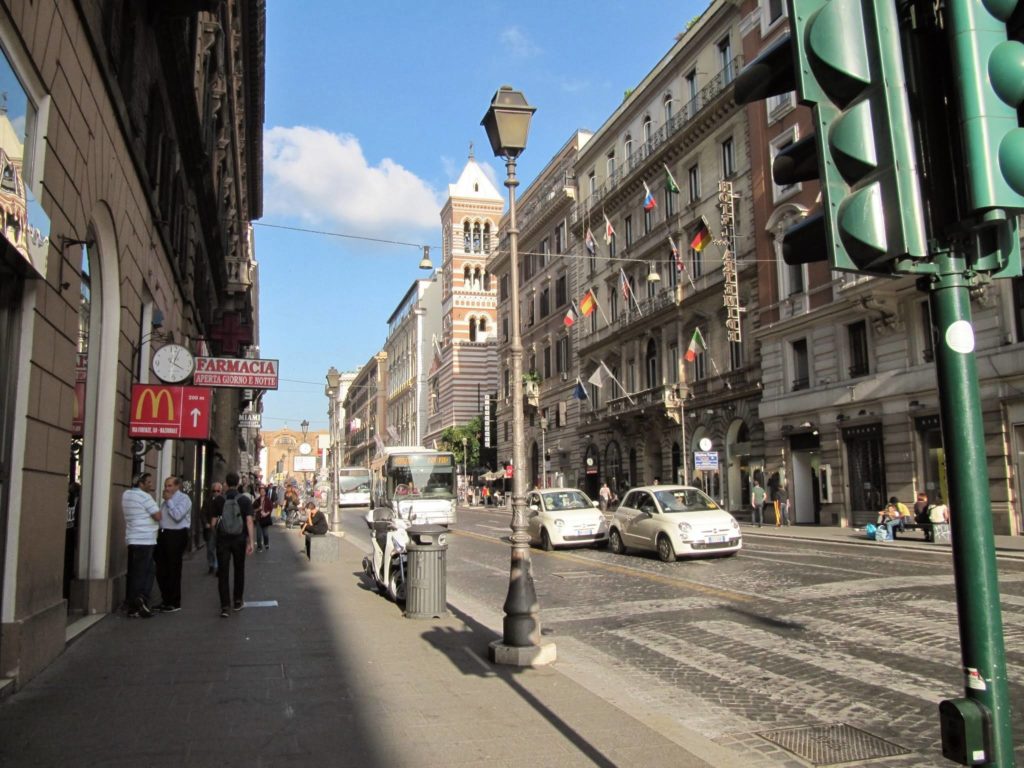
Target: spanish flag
[
  {"x": 587, "y": 304},
  {"x": 701, "y": 236}
]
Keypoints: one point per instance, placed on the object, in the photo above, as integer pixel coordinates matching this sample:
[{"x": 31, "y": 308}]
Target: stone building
[
  {"x": 135, "y": 139},
  {"x": 366, "y": 409}
]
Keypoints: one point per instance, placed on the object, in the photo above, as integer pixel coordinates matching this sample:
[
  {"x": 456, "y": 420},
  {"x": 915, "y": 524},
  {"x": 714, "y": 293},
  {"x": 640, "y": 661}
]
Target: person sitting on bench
[{"x": 315, "y": 525}]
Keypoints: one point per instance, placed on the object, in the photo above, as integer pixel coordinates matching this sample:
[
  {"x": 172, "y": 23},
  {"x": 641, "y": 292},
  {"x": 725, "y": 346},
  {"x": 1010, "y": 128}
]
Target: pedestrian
[
  {"x": 757, "y": 501},
  {"x": 232, "y": 516},
  {"x": 142, "y": 524},
  {"x": 264, "y": 508},
  {"x": 606, "y": 496},
  {"x": 315, "y": 525},
  {"x": 175, "y": 523},
  {"x": 782, "y": 499},
  {"x": 209, "y": 532}
]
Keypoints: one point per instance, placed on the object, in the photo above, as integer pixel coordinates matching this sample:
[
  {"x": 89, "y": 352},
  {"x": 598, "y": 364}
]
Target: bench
[
  {"x": 934, "y": 532},
  {"x": 326, "y": 548}
]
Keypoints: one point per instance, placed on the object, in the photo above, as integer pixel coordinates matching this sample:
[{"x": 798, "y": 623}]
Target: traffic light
[{"x": 989, "y": 86}]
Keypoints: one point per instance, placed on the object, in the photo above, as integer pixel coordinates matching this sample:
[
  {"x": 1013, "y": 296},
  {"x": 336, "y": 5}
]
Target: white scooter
[{"x": 390, "y": 579}]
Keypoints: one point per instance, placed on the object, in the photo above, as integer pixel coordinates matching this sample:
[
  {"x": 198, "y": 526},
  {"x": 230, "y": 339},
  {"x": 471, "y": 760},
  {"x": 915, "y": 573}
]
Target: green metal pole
[{"x": 974, "y": 559}]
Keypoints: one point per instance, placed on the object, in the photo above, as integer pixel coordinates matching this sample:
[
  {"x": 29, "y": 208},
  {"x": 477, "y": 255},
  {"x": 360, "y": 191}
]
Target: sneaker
[
  {"x": 224, "y": 613},
  {"x": 239, "y": 605},
  {"x": 259, "y": 549}
]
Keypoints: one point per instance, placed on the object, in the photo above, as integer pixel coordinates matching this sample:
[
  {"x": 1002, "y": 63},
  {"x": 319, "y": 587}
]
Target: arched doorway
[
  {"x": 738, "y": 469},
  {"x": 592, "y": 471},
  {"x": 613, "y": 465}
]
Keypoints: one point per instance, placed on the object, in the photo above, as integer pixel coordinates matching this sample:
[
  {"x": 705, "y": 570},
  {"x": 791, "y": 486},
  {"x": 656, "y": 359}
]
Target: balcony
[
  {"x": 659, "y": 398},
  {"x": 699, "y": 105},
  {"x": 652, "y": 308}
]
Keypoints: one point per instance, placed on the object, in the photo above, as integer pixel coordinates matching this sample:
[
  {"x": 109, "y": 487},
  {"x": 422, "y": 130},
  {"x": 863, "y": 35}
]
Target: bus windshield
[
  {"x": 424, "y": 475},
  {"x": 354, "y": 486}
]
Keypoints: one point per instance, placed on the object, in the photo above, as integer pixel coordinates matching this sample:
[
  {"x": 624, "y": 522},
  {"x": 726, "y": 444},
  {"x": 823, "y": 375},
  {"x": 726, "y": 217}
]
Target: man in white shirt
[
  {"x": 175, "y": 524},
  {"x": 142, "y": 523}
]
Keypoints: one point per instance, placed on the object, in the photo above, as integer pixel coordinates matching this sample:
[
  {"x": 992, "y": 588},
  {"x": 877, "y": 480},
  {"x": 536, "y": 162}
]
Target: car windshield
[
  {"x": 566, "y": 500},
  {"x": 684, "y": 500}
]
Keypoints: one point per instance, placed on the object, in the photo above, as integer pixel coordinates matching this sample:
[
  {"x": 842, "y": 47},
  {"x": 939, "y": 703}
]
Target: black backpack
[{"x": 231, "y": 517}]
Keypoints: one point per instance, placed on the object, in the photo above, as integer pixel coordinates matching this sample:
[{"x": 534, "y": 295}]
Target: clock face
[
  {"x": 305, "y": 449},
  {"x": 173, "y": 363}
]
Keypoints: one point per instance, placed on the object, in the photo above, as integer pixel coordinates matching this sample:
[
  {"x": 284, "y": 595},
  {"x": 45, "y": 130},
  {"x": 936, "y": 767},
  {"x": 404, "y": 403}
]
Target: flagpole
[{"x": 682, "y": 422}]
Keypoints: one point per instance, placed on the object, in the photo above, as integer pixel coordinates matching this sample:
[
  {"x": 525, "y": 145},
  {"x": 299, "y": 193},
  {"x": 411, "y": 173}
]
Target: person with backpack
[{"x": 232, "y": 519}]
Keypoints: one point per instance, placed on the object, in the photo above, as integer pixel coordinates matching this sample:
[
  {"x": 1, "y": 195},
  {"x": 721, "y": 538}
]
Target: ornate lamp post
[
  {"x": 333, "y": 381},
  {"x": 305, "y": 450},
  {"x": 507, "y": 123}
]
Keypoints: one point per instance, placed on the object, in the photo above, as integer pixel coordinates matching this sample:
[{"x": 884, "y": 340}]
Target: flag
[
  {"x": 609, "y": 233},
  {"x": 580, "y": 392},
  {"x": 597, "y": 377},
  {"x": 649, "y": 201},
  {"x": 670, "y": 181},
  {"x": 701, "y": 236},
  {"x": 697, "y": 340},
  {"x": 624, "y": 284},
  {"x": 675, "y": 254},
  {"x": 587, "y": 304},
  {"x": 355, "y": 424},
  {"x": 571, "y": 314},
  {"x": 588, "y": 241}
]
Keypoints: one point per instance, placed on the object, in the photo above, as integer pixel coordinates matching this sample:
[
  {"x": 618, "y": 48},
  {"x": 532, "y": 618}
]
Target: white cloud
[
  {"x": 517, "y": 43},
  {"x": 319, "y": 176}
]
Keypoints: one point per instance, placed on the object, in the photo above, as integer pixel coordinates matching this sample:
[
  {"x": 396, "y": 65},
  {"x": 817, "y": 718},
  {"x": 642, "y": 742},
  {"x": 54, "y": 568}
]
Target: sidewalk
[{"x": 316, "y": 670}]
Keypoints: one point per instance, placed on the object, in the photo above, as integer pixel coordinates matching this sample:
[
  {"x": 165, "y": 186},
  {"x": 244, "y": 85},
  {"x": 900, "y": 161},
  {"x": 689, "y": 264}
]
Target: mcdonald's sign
[{"x": 162, "y": 412}]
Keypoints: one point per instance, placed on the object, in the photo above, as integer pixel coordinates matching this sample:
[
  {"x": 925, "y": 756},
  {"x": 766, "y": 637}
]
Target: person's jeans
[
  {"x": 140, "y": 574},
  {"x": 784, "y": 512},
  {"x": 170, "y": 549},
  {"x": 758, "y": 516},
  {"x": 210, "y": 537},
  {"x": 262, "y": 536},
  {"x": 231, "y": 550},
  {"x": 894, "y": 524}
]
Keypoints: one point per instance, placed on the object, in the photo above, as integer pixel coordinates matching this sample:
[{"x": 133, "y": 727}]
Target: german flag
[{"x": 701, "y": 236}]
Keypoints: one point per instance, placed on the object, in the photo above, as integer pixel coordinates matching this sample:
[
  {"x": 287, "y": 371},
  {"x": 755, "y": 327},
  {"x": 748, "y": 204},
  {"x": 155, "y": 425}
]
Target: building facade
[
  {"x": 463, "y": 370},
  {"x": 134, "y": 142},
  {"x": 366, "y": 409}
]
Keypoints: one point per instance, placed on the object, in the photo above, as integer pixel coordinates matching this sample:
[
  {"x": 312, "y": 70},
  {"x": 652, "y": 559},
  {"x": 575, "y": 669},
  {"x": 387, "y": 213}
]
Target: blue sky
[{"x": 370, "y": 108}]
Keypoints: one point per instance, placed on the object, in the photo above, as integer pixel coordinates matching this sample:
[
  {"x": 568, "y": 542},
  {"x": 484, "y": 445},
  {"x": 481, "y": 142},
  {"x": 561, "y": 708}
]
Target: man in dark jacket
[
  {"x": 232, "y": 547},
  {"x": 315, "y": 525}
]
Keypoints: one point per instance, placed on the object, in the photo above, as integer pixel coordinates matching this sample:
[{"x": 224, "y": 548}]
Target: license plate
[
  {"x": 584, "y": 531},
  {"x": 717, "y": 539}
]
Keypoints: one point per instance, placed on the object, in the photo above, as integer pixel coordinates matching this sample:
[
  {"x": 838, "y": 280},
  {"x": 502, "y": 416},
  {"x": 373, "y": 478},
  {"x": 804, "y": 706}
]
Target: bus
[
  {"x": 353, "y": 487},
  {"x": 417, "y": 483}
]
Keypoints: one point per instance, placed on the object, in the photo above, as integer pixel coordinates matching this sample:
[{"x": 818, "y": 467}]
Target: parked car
[
  {"x": 562, "y": 517},
  {"x": 674, "y": 521}
]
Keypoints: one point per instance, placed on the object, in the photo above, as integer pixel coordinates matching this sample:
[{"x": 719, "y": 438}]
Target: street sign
[
  {"x": 305, "y": 463},
  {"x": 250, "y": 420},
  {"x": 240, "y": 372},
  {"x": 705, "y": 460},
  {"x": 164, "y": 412}
]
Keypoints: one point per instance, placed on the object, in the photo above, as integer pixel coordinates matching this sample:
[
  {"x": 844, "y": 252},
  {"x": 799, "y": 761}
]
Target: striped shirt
[{"x": 138, "y": 508}]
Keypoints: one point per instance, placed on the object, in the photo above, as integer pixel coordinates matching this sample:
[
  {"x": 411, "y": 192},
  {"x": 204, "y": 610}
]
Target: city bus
[
  {"x": 353, "y": 487},
  {"x": 416, "y": 483}
]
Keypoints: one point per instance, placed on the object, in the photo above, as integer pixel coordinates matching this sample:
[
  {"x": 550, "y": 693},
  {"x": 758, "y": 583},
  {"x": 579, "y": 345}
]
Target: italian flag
[{"x": 696, "y": 341}]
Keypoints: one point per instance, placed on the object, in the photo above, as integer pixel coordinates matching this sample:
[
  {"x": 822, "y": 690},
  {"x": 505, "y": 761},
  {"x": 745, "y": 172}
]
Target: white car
[
  {"x": 562, "y": 517},
  {"x": 674, "y": 521}
]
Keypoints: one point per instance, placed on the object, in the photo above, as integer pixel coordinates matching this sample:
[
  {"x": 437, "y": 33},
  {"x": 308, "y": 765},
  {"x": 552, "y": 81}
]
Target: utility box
[
  {"x": 426, "y": 575},
  {"x": 965, "y": 727}
]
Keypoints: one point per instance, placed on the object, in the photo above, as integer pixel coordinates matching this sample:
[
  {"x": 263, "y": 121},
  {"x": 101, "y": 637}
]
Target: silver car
[
  {"x": 674, "y": 521},
  {"x": 560, "y": 517}
]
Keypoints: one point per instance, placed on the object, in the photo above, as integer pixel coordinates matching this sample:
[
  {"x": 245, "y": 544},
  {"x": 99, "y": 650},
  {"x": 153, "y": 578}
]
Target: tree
[{"x": 451, "y": 440}]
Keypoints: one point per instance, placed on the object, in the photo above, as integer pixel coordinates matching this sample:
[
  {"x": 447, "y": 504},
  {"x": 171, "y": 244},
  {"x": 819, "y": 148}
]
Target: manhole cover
[{"x": 832, "y": 744}]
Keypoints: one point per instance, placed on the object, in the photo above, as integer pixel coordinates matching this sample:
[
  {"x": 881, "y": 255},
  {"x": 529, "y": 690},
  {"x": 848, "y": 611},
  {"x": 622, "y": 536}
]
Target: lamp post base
[{"x": 522, "y": 656}]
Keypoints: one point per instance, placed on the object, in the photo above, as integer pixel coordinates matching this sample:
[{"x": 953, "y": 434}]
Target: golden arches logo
[{"x": 155, "y": 398}]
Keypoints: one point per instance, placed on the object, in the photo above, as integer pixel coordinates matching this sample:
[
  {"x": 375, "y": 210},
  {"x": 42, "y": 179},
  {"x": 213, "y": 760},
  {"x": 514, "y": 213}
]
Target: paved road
[{"x": 837, "y": 652}]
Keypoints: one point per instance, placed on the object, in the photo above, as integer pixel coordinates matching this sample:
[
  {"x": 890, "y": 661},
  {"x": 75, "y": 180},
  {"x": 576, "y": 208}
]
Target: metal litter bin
[{"x": 426, "y": 572}]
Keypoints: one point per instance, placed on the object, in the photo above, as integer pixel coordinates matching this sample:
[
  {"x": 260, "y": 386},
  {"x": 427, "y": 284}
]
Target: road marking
[
  {"x": 261, "y": 603},
  {"x": 695, "y": 586}
]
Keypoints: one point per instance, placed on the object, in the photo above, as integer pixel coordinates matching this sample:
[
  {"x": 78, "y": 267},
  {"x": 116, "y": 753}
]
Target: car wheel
[
  {"x": 545, "y": 540},
  {"x": 396, "y": 585},
  {"x": 615, "y": 543},
  {"x": 665, "y": 550}
]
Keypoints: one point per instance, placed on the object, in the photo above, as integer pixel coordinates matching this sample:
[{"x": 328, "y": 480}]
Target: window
[
  {"x": 487, "y": 237},
  {"x": 725, "y": 60},
  {"x": 651, "y": 364},
  {"x": 694, "y": 178},
  {"x": 648, "y": 221},
  {"x": 504, "y": 329},
  {"x": 592, "y": 183},
  {"x": 545, "y": 254},
  {"x": 728, "y": 159},
  {"x": 673, "y": 364},
  {"x": 610, "y": 165},
  {"x": 779, "y": 105},
  {"x": 504, "y": 288},
  {"x": 628, "y": 225},
  {"x": 696, "y": 263},
  {"x": 506, "y": 383},
  {"x": 630, "y": 376},
  {"x": 627, "y": 148},
  {"x": 562, "y": 354},
  {"x": 926, "y": 333},
  {"x": 791, "y": 276},
  {"x": 547, "y": 362},
  {"x": 857, "y": 338},
  {"x": 700, "y": 361},
  {"x": 735, "y": 355},
  {"x": 666, "y": 105},
  {"x": 611, "y": 248},
  {"x": 774, "y": 11},
  {"x": 775, "y": 146},
  {"x": 545, "y": 302},
  {"x": 801, "y": 365},
  {"x": 613, "y": 302},
  {"x": 691, "y": 91},
  {"x": 560, "y": 238},
  {"x": 561, "y": 292},
  {"x": 532, "y": 311},
  {"x": 670, "y": 203},
  {"x": 648, "y": 130}
]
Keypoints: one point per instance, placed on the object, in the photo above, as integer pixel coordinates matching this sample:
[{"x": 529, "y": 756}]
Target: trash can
[{"x": 426, "y": 573}]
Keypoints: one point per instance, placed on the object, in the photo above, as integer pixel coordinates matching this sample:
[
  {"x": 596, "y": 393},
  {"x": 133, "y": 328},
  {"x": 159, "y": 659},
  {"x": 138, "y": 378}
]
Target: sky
[{"x": 370, "y": 111}]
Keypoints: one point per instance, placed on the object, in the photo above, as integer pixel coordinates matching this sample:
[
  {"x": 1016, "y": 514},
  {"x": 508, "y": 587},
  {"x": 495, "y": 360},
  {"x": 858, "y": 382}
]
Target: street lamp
[
  {"x": 304, "y": 448},
  {"x": 333, "y": 381},
  {"x": 465, "y": 467},
  {"x": 507, "y": 123}
]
